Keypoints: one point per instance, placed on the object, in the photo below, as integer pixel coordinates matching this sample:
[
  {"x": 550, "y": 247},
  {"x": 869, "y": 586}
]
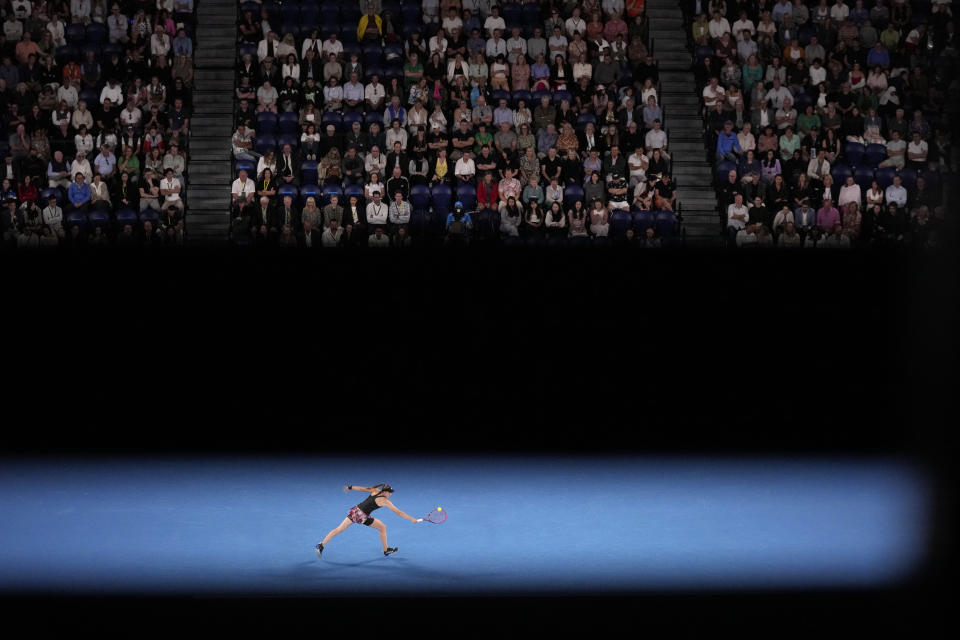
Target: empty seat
[
  {"x": 308, "y": 172},
  {"x": 289, "y": 122},
  {"x": 126, "y": 216},
  {"x": 420, "y": 196},
  {"x": 264, "y": 142},
  {"x": 149, "y": 214},
  {"x": 854, "y": 152},
  {"x": 468, "y": 196},
  {"x": 571, "y": 194},
  {"x": 310, "y": 191},
  {"x": 267, "y": 122},
  {"x": 840, "y": 172},
  {"x": 643, "y": 220},
  {"x": 876, "y": 153},
  {"x": 884, "y": 176},
  {"x": 863, "y": 176},
  {"x": 620, "y": 221},
  {"x": 724, "y": 167},
  {"x": 96, "y": 32},
  {"x": 99, "y": 217},
  {"x": 441, "y": 196},
  {"x": 247, "y": 165},
  {"x": 288, "y": 138},
  {"x": 666, "y": 224},
  {"x": 288, "y": 190}
]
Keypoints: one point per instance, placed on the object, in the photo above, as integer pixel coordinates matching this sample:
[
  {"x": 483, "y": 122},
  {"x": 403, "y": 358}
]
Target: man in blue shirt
[
  {"x": 79, "y": 192},
  {"x": 878, "y": 56},
  {"x": 727, "y": 144}
]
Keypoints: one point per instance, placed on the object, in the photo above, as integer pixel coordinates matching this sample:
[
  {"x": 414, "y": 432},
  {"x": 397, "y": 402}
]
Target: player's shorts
[{"x": 359, "y": 517}]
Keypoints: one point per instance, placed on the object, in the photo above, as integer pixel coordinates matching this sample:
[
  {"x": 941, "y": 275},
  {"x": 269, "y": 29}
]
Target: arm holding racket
[
  {"x": 390, "y": 506},
  {"x": 356, "y": 487}
]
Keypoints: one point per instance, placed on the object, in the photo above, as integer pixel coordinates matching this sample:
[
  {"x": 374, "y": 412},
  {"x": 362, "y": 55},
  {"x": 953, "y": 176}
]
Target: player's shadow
[{"x": 320, "y": 571}]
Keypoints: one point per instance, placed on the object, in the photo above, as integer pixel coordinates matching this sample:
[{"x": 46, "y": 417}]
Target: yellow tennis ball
[{"x": 439, "y": 508}]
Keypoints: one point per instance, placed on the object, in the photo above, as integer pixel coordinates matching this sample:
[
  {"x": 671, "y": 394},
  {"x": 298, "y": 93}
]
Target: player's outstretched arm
[
  {"x": 401, "y": 513},
  {"x": 356, "y": 487}
]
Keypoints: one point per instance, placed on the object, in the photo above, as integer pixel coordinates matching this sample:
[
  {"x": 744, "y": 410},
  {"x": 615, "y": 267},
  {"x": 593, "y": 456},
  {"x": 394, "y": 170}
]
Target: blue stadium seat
[
  {"x": 99, "y": 217},
  {"x": 90, "y": 48},
  {"x": 349, "y": 118},
  {"x": 126, "y": 216},
  {"x": 372, "y": 70},
  {"x": 247, "y": 48},
  {"x": 498, "y": 95},
  {"x": 349, "y": 48},
  {"x": 90, "y": 96},
  {"x": 107, "y": 49},
  {"x": 308, "y": 172},
  {"x": 288, "y": 138},
  {"x": 863, "y": 176},
  {"x": 372, "y": 117},
  {"x": 310, "y": 191},
  {"x": 264, "y": 142},
  {"x": 393, "y": 51},
  {"x": 353, "y": 190},
  {"x": 643, "y": 220},
  {"x": 666, "y": 224},
  {"x": 468, "y": 196},
  {"x": 801, "y": 101},
  {"x": 442, "y": 196},
  {"x": 908, "y": 177},
  {"x": 251, "y": 6},
  {"x": 420, "y": 196},
  {"x": 560, "y": 96},
  {"x": 412, "y": 14},
  {"x": 531, "y": 15},
  {"x": 266, "y": 122},
  {"x": 854, "y": 152},
  {"x": 96, "y": 32},
  {"x": 350, "y": 14},
  {"x": 420, "y": 222},
  {"x": 571, "y": 194},
  {"x": 288, "y": 190},
  {"x": 248, "y": 165},
  {"x": 391, "y": 6},
  {"x": 290, "y": 12},
  {"x": 75, "y": 34},
  {"x": 583, "y": 119},
  {"x": 539, "y": 95},
  {"x": 330, "y": 117},
  {"x": 289, "y": 122},
  {"x": 884, "y": 176},
  {"x": 151, "y": 215},
  {"x": 620, "y": 221},
  {"x": 511, "y": 13},
  {"x": 348, "y": 31},
  {"x": 932, "y": 178},
  {"x": 724, "y": 167},
  {"x": 75, "y": 216},
  {"x": 840, "y": 173},
  {"x": 876, "y": 153},
  {"x": 392, "y": 71},
  {"x": 524, "y": 95},
  {"x": 67, "y": 53},
  {"x": 330, "y": 190}
]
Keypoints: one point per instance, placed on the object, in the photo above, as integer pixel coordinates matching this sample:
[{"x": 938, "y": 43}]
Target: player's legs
[
  {"x": 382, "y": 528},
  {"x": 340, "y": 529}
]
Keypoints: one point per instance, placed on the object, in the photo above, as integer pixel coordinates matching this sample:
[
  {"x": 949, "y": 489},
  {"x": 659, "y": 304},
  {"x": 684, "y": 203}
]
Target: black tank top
[{"x": 369, "y": 505}]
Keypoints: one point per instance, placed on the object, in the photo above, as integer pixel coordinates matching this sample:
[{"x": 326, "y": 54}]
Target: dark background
[{"x": 525, "y": 351}]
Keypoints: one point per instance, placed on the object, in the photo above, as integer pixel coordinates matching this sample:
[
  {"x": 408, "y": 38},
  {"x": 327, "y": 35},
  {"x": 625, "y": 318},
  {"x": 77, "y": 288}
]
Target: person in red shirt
[
  {"x": 488, "y": 196},
  {"x": 27, "y": 191}
]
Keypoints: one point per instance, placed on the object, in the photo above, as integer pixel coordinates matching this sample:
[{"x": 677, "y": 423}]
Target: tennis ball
[{"x": 439, "y": 508}]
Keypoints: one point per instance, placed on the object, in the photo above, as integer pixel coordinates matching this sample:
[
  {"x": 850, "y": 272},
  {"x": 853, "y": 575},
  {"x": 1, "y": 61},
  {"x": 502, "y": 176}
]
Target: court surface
[{"x": 532, "y": 525}]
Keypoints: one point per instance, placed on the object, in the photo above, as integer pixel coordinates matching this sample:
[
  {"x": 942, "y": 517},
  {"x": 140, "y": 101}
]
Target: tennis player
[{"x": 360, "y": 514}]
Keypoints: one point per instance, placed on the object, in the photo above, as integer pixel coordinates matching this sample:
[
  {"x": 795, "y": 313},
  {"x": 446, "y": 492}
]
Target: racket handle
[{"x": 419, "y": 519}]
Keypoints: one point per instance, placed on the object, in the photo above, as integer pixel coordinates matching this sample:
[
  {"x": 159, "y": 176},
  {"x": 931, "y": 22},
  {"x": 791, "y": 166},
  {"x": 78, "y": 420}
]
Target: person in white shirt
[
  {"x": 374, "y": 94},
  {"x": 718, "y": 26},
  {"x": 748, "y": 236},
  {"x": 849, "y": 192},
  {"x": 80, "y": 164},
  {"x": 656, "y": 138},
  {"x": 267, "y": 47},
  {"x": 118, "y": 26},
  {"x": 374, "y": 162},
  {"x": 744, "y": 23},
  {"x": 330, "y": 45},
  {"x": 243, "y": 186},
  {"x": 496, "y": 46},
  {"x": 839, "y": 12},
  {"x": 170, "y": 190},
  {"x": 746, "y": 138},
  {"x": 712, "y": 93},
  {"x": 80, "y": 11},
  {"x": 438, "y": 44},
  {"x": 738, "y": 215},
  {"x": 113, "y": 92},
  {"x": 896, "y": 194},
  {"x": 517, "y": 46},
  {"x": 575, "y": 24},
  {"x": 452, "y": 21},
  {"x": 377, "y": 212},
  {"x": 160, "y": 42},
  {"x": 494, "y": 22},
  {"x": 917, "y": 151},
  {"x": 68, "y": 93},
  {"x": 465, "y": 168},
  {"x": 819, "y": 167}
]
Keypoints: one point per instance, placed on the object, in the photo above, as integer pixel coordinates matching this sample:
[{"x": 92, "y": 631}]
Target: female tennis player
[{"x": 360, "y": 514}]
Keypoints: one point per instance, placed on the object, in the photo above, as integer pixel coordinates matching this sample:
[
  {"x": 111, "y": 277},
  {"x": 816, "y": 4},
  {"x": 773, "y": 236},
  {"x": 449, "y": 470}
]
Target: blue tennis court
[{"x": 544, "y": 525}]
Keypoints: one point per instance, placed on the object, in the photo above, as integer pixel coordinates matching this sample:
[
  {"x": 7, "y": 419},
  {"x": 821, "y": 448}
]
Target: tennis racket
[{"x": 436, "y": 516}]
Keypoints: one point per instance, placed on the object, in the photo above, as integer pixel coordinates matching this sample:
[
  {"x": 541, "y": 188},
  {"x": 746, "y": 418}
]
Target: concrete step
[{"x": 674, "y": 63}]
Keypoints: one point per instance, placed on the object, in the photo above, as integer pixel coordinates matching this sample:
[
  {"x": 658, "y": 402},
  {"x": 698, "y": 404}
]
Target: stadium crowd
[
  {"x": 96, "y": 99},
  {"x": 829, "y": 124},
  {"x": 383, "y": 123}
]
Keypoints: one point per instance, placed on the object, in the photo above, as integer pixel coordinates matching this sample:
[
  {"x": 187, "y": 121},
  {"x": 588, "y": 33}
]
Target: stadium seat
[
  {"x": 107, "y": 49},
  {"x": 372, "y": 117},
  {"x": 524, "y": 95},
  {"x": 583, "y": 119},
  {"x": 248, "y": 165},
  {"x": 288, "y": 190},
  {"x": 884, "y": 176},
  {"x": 393, "y": 51},
  {"x": 571, "y": 194},
  {"x": 99, "y": 217},
  {"x": 288, "y": 138},
  {"x": 267, "y": 122},
  {"x": 863, "y": 176},
  {"x": 67, "y": 53},
  {"x": 876, "y": 153},
  {"x": 854, "y": 152},
  {"x": 308, "y": 172},
  {"x": 468, "y": 196},
  {"x": 441, "y": 195},
  {"x": 150, "y": 214},
  {"x": 908, "y": 177},
  {"x": 620, "y": 221},
  {"x": 539, "y": 95},
  {"x": 330, "y": 117},
  {"x": 251, "y": 6},
  {"x": 643, "y": 220},
  {"x": 391, "y": 71},
  {"x": 420, "y": 196},
  {"x": 724, "y": 167},
  {"x": 373, "y": 70},
  {"x": 420, "y": 222},
  {"x": 75, "y": 34},
  {"x": 511, "y": 13},
  {"x": 289, "y": 122},
  {"x": 330, "y": 190},
  {"x": 560, "y": 96},
  {"x": 91, "y": 97},
  {"x": 126, "y": 216},
  {"x": 666, "y": 224},
  {"x": 264, "y": 142},
  {"x": 840, "y": 173},
  {"x": 290, "y": 12},
  {"x": 96, "y": 32},
  {"x": 498, "y": 95},
  {"x": 349, "y": 118},
  {"x": 353, "y": 190},
  {"x": 310, "y": 191}
]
